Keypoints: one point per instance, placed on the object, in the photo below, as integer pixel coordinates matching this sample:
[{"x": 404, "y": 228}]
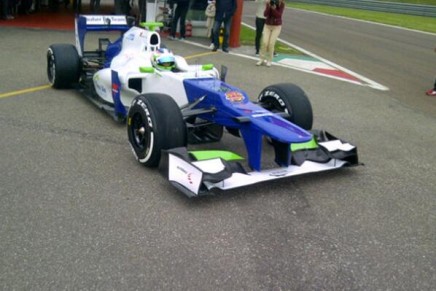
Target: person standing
[
  {"x": 77, "y": 5},
  {"x": 122, "y": 7},
  {"x": 25, "y": 7},
  {"x": 182, "y": 7},
  {"x": 210, "y": 20},
  {"x": 95, "y": 6},
  {"x": 273, "y": 25},
  {"x": 223, "y": 16},
  {"x": 260, "y": 23},
  {"x": 432, "y": 92},
  {"x": 5, "y": 8}
]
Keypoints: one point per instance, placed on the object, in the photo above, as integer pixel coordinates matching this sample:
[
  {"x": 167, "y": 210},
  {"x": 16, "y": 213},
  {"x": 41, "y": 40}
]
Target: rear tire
[
  {"x": 290, "y": 99},
  {"x": 154, "y": 123},
  {"x": 63, "y": 66}
]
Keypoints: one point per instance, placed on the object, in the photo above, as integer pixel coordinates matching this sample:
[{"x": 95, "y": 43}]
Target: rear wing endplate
[{"x": 85, "y": 23}]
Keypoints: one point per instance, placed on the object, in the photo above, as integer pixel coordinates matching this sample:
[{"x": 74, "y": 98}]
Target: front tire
[
  {"x": 154, "y": 123},
  {"x": 290, "y": 99},
  {"x": 63, "y": 66}
]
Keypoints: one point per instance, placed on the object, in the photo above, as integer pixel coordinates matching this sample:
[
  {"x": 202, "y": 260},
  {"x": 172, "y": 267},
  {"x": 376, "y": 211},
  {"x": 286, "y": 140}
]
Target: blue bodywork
[
  {"x": 93, "y": 23},
  {"x": 233, "y": 109},
  {"x": 224, "y": 104},
  {"x": 120, "y": 110}
]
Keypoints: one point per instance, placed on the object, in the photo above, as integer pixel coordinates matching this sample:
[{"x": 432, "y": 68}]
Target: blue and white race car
[
  {"x": 169, "y": 104},
  {"x": 120, "y": 69}
]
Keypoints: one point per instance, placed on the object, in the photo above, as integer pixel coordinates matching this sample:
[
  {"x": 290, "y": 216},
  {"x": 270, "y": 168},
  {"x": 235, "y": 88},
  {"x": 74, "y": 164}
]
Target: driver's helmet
[{"x": 163, "y": 59}]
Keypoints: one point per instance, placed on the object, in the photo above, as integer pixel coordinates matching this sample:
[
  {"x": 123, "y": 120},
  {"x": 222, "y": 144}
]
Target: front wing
[{"x": 195, "y": 173}]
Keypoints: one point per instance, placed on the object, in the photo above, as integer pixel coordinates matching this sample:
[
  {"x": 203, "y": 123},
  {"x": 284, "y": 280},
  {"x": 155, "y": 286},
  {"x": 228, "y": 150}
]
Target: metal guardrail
[{"x": 392, "y": 7}]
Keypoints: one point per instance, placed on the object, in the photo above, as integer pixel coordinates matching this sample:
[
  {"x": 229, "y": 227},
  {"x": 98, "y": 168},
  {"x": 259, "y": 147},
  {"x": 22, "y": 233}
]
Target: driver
[{"x": 163, "y": 59}]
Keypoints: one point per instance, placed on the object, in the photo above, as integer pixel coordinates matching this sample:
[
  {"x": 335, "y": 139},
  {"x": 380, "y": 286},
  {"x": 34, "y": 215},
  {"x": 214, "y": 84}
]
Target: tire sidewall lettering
[
  {"x": 150, "y": 132},
  {"x": 147, "y": 113},
  {"x": 139, "y": 106},
  {"x": 51, "y": 55},
  {"x": 276, "y": 96},
  {"x": 52, "y": 65}
]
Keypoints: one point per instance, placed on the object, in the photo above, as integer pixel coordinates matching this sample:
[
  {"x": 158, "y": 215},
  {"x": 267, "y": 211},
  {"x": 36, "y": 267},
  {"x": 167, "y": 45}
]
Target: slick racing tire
[
  {"x": 290, "y": 99},
  {"x": 154, "y": 123},
  {"x": 63, "y": 66}
]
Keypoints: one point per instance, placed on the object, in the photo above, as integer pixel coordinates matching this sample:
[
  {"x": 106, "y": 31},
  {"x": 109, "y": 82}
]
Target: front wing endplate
[{"x": 196, "y": 177}]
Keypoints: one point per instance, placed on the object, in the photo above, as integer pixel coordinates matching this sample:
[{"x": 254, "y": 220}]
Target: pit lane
[{"x": 78, "y": 212}]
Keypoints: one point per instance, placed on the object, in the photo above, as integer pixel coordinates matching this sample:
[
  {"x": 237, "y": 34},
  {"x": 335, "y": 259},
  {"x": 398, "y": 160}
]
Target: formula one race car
[
  {"x": 117, "y": 71},
  {"x": 169, "y": 104}
]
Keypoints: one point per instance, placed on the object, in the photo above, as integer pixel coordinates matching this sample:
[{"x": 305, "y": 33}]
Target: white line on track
[{"x": 368, "y": 81}]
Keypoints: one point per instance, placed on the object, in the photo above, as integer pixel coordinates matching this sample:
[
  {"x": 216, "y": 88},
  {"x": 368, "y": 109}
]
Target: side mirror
[
  {"x": 146, "y": 69},
  {"x": 207, "y": 67},
  {"x": 223, "y": 73}
]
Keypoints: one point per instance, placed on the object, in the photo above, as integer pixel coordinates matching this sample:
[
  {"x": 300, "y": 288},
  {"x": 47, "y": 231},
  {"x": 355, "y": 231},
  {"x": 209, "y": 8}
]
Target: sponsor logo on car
[
  {"x": 108, "y": 20},
  {"x": 235, "y": 96},
  {"x": 115, "y": 88}
]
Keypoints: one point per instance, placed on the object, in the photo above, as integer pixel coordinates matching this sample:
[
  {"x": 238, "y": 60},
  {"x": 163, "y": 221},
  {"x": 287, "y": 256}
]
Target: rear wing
[{"x": 85, "y": 23}]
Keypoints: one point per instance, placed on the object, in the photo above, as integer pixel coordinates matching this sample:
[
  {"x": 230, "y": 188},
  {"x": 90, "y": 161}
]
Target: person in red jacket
[{"x": 271, "y": 31}]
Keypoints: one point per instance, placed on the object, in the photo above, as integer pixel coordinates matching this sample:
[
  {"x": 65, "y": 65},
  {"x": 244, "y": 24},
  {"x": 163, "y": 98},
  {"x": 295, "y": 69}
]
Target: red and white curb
[{"x": 310, "y": 62}]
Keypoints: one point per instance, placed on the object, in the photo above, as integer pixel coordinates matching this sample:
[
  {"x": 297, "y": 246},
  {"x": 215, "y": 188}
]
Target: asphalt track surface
[
  {"x": 78, "y": 212},
  {"x": 403, "y": 60}
]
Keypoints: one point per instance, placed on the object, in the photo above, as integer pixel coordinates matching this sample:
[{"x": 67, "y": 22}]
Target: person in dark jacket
[
  {"x": 260, "y": 23},
  {"x": 182, "y": 7},
  {"x": 223, "y": 16}
]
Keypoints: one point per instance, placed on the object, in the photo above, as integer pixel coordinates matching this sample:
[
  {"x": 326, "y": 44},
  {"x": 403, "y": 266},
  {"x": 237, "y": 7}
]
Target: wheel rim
[
  {"x": 273, "y": 105},
  {"x": 139, "y": 132},
  {"x": 51, "y": 68}
]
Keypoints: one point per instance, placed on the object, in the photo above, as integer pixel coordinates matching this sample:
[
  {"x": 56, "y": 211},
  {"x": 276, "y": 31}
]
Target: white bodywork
[
  {"x": 138, "y": 47},
  {"x": 190, "y": 174}
]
